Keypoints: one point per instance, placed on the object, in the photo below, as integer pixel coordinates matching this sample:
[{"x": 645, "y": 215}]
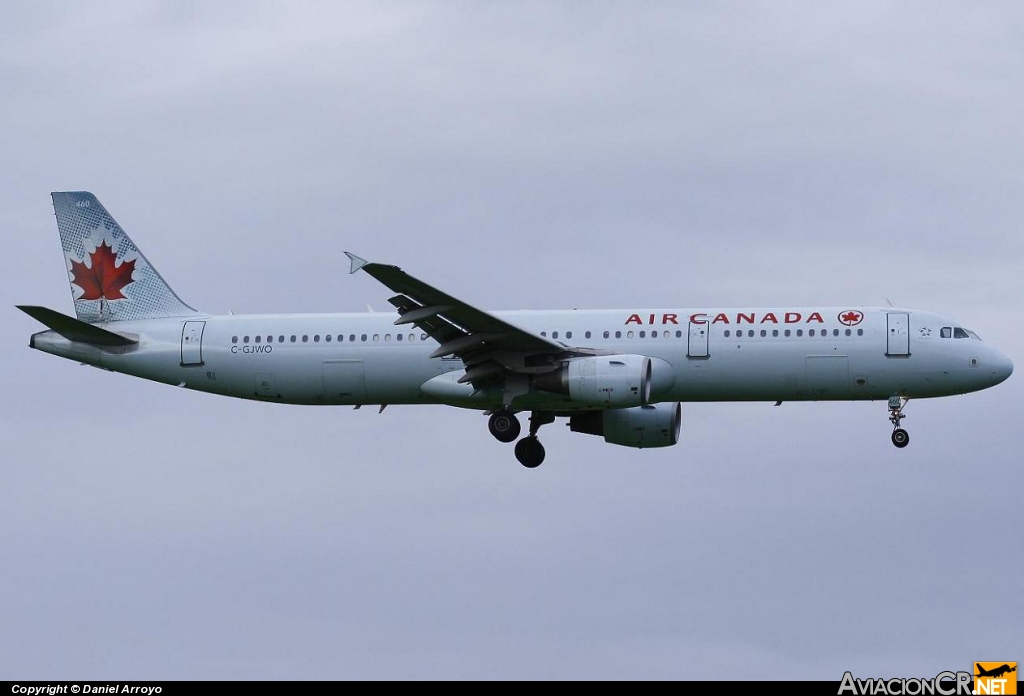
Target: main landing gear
[
  {"x": 900, "y": 437},
  {"x": 504, "y": 426}
]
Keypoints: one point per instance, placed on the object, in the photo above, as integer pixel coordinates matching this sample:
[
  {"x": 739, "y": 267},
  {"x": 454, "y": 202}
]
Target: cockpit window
[
  {"x": 973, "y": 335},
  {"x": 947, "y": 332},
  {"x": 959, "y": 333}
]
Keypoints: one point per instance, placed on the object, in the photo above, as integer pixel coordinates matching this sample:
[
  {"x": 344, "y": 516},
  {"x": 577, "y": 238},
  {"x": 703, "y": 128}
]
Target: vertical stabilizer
[{"x": 110, "y": 278}]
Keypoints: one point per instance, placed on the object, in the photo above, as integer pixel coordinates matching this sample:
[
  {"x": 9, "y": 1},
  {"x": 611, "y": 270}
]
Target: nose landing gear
[{"x": 900, "y": 437}]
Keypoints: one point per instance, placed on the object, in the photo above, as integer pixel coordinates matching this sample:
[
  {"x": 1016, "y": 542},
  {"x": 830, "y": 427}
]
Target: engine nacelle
[
  {"x": 654, "y": 425},
  {"x": 615, "y": 381}
]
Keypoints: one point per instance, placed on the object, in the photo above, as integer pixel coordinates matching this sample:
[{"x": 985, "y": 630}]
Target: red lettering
[
  {"x": 634, "y": 319},
  {"x": 769, "y": 317},
  {"x": 699, "y": 318},
  {"x": 815, "y": 317},
  {"x": 792, "y": 317},
  {"x": 668, "y": 319},
  {"x": 741, "y": 317},
  {"x": 720, "y": 318},
  {"x": 651, "y": 320}
]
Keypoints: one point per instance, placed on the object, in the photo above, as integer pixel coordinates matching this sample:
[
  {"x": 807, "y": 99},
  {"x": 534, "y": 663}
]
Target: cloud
[{"x": 518, "y": 156}]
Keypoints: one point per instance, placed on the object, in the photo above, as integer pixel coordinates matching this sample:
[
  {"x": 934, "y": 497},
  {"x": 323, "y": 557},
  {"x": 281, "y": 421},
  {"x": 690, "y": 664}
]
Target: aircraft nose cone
[
  {"x": 1002, "y": 368},
  {"x": 1005, "y": 369}
]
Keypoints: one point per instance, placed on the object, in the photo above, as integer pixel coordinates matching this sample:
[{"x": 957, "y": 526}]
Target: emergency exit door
[
  {"x": 192, "y": 343},
  {"x": 697, "y": 346},
  {"x": 898, "y": 334}
]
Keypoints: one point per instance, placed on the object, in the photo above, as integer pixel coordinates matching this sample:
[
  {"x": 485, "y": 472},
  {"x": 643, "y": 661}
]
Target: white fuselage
[{"x": 703, "y": 355}]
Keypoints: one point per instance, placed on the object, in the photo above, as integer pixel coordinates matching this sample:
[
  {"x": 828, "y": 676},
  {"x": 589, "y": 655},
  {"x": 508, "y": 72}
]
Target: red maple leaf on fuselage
[
  {"x": 104, "y": 279},
  {"x": 850, "y": 317}
]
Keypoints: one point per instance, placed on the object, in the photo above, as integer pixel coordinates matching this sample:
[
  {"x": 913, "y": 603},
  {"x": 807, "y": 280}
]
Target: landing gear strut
[
  {"x": 900, "y": 437},
  {"x": 504, "y": 426},
  {"x": 529, "y": 451}
]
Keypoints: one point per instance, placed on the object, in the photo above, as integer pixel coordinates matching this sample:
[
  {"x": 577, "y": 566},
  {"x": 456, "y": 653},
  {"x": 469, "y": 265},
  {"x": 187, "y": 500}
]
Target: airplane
[
  {"x": 994, "y": 672},
  {"x": 618, "y": 374}
]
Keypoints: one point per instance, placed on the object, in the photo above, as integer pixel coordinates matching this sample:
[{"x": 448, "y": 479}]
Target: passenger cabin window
[
  {"x": 606, "y": 334},
  {"x": 234, "y": 339},
  {"x": 586, "y": 334},
  {"x": 280, "y": 339},
  {"x": 245, "y": 339}
]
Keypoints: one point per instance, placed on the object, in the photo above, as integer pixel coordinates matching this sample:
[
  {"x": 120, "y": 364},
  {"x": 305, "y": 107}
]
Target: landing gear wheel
[
  {"x": 900, "y": 437},
  {"x": 504, "y": 426},
  {"x": 530, "y": 452}
]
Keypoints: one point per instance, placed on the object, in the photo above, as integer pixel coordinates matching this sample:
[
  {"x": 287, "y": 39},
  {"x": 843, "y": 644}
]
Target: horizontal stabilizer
[{"x": 75, "y": 330}]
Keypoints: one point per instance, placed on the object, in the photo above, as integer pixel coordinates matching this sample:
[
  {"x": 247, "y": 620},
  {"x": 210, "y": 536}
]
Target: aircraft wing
[{"x": 481, "y": 340}]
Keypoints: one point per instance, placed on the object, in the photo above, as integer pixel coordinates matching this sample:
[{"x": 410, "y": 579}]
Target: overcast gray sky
[{"x": 517, "y": 155}]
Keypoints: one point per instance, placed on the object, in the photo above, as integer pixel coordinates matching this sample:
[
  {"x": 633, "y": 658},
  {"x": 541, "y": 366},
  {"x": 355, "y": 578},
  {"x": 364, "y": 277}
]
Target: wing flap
[
  {"x": 464, "y": 318},
  {"x": 478, "y": 338}
]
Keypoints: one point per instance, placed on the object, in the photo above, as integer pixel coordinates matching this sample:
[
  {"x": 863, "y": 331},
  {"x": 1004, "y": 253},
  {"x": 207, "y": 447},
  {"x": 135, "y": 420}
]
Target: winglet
[{"x": 357, "y": 262}]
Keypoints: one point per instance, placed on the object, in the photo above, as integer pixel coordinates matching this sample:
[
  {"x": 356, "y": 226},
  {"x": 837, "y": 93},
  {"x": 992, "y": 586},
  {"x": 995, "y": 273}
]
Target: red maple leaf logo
[
  {"x": 851, "y": 318},
  {"x": 104, "y": 279}
]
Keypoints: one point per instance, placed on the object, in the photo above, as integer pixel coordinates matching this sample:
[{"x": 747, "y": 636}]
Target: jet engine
[
  {"x": 614, "y": 381},
  {"x": 653, "y": 425}
]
